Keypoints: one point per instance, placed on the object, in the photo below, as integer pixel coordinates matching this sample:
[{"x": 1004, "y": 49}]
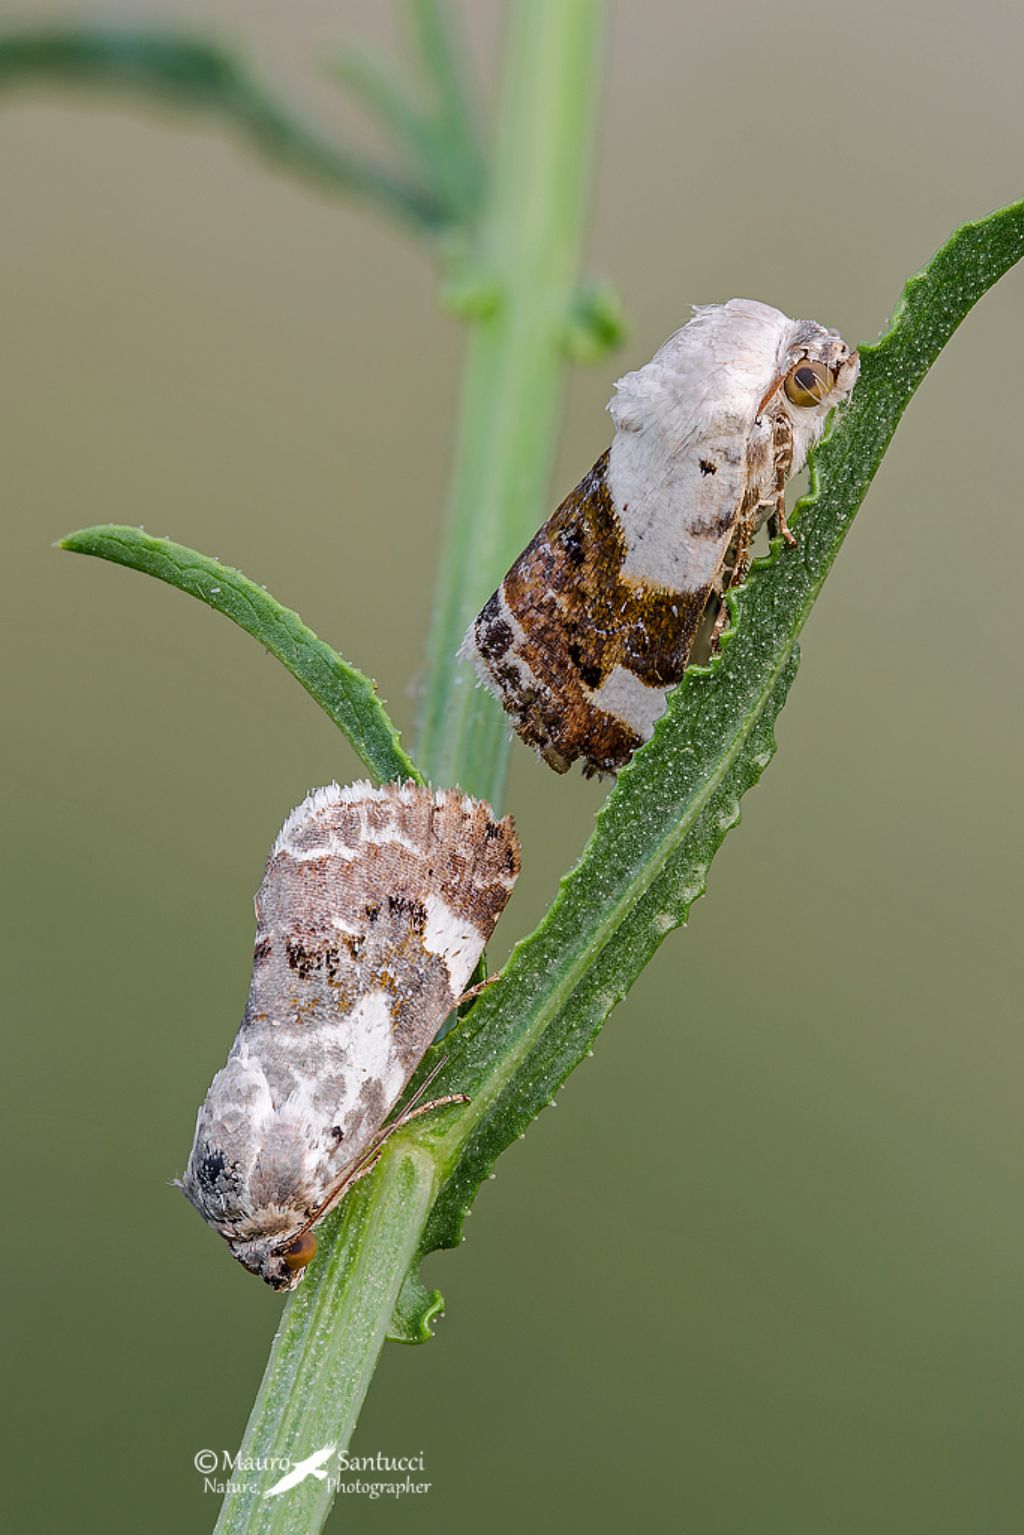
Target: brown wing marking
[{"x": 579, "y": 620}]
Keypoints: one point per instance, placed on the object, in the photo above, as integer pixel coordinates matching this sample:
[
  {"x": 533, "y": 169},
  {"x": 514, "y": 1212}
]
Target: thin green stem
[
  {"x": 326, "y": 1350},
  {"x": 515, "y": 367}
]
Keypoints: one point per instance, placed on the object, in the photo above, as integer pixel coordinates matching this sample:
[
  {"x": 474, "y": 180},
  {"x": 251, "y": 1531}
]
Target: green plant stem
[
  {"x": 512, "y": 403},
  {"x": 515, "y": 366},
  {"x": 326, "y": 1349}
]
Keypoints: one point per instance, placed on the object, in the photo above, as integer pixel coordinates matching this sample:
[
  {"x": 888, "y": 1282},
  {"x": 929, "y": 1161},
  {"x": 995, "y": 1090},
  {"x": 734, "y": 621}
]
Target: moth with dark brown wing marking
[{"x": 597, "y": 618}]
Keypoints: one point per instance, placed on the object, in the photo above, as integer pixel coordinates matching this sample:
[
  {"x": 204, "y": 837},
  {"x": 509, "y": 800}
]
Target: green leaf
[
  {"x": 647, "y": 860},
  {"x": 457, "y": 166},
  {"x": 344, "y": 694},
  {"x": 596, "y": 323},
  {"x": 370, "y": 79},
  {"x": 197, "y": 74}
]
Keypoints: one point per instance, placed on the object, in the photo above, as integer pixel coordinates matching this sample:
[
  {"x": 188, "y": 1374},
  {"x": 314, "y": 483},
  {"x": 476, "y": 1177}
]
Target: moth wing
[
  {"x": 596, "y": 619},
  {"x": 374, "y": 909}
]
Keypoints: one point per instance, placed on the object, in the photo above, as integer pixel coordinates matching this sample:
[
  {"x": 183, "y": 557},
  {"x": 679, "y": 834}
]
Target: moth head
[
  {"x": 818, "y": 368},
  {"x": 280, "y": 1263},
  {"x": 816, "y": 373},
  {"x": 808, "y": 383}
]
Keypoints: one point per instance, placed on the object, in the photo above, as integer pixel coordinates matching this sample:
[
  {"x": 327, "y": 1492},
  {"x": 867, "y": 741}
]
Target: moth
[
  {"x": 597, "y": 618},
  {"x": 375, "y": 906}
]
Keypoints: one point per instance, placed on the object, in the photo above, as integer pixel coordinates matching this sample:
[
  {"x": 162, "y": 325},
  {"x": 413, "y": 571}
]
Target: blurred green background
[{"x": 761, "y": 1270}]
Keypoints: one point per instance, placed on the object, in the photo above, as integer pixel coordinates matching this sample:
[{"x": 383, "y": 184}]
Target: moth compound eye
[
  {"x": 808, "y": 383},
  {"x": 300, "y": 1252}
]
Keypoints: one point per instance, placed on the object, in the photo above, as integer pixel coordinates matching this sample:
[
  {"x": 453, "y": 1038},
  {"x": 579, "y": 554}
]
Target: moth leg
[
  {"x": 741, "y": 564},
  {"x": 736, "y": 576},
  {"x": 478, "y": 989},
  {"x": 777, "y": 523},
  {"x": 721, "y": 619},
  {"x": 373, "y": 1151},
  {"x": 371, "y": 1156},
  {"x": 423, "y": 1108},
  {"x": 414, "y": 1108},
  {"x": 362, "y": 1170},
  {"x": 782, "y": 461}
]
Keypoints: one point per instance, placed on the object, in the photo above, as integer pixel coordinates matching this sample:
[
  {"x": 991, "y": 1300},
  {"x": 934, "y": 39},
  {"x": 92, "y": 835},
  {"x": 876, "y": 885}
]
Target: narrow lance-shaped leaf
[{"x": 343, "y": 693}]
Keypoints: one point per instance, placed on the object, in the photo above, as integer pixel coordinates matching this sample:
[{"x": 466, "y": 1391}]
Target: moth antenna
[
  {"x": 776, "y": 386},
  {"x": 372, "y": 1151},
  {"x": 418, "y": 1094}
]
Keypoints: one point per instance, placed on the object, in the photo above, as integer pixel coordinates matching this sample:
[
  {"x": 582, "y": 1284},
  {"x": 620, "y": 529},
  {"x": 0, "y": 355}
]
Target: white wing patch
[
  {"x": 624, "y": 695},
  {"x": 453, "y": 938},
  {"x": 371, "y": 1023}
]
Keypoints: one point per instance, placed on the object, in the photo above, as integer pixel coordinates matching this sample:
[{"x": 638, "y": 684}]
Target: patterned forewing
[
  {"x": 566, "y": 628},
  {"x": 374, "y": 909}
]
